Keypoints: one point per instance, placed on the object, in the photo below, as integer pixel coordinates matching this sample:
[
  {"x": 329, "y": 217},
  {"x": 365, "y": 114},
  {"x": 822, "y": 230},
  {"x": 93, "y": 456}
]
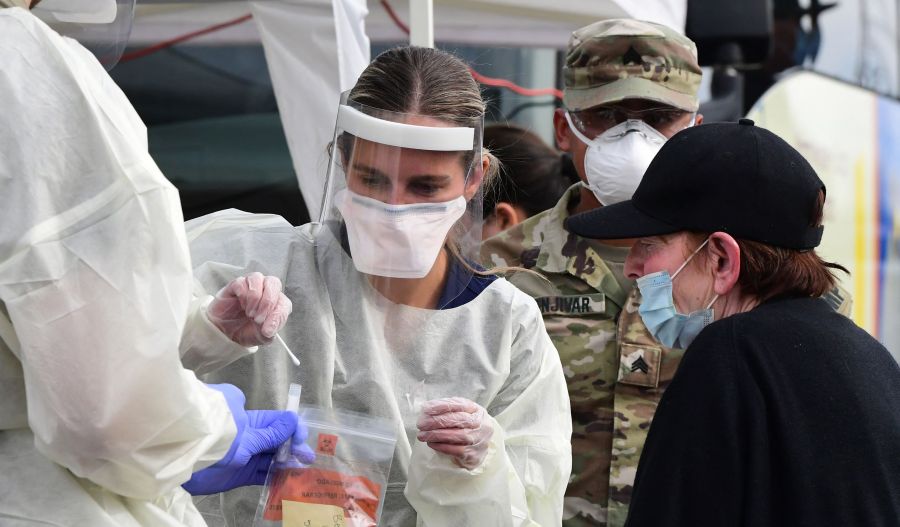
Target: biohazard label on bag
[
  {"x": 327, "y": 444},
  {"x": 356, "y": 496}
]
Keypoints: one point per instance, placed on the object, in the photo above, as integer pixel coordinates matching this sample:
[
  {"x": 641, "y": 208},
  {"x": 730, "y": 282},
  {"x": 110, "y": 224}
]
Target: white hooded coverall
[{"x": 99, "y": 422}]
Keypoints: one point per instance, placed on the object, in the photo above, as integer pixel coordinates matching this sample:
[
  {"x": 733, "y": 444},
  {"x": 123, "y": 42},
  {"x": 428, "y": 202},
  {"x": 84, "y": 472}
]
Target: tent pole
[{"x": 421, "y": 23}]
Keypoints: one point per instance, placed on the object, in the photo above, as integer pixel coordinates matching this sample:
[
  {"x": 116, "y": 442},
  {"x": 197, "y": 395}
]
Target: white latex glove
[
  {"x": 457, "y": 427},
  {"x": 250, "y": 310}
]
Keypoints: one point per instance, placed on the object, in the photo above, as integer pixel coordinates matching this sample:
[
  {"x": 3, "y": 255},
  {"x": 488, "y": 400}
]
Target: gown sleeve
[
  {"x": 204, "y": 348},
  {"x": 95, "y": 276}
]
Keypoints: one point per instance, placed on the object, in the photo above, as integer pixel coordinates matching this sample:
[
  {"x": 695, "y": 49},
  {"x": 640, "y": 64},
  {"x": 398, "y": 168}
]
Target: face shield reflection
[{"x": 403, "y": 193}]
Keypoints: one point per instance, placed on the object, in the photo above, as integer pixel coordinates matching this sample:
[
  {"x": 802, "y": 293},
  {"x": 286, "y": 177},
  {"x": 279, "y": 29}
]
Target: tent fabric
[{"x": 315, "y": 49}]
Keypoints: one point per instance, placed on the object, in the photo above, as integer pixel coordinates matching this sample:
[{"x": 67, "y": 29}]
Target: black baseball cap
[{"x": 735, "y": 178}]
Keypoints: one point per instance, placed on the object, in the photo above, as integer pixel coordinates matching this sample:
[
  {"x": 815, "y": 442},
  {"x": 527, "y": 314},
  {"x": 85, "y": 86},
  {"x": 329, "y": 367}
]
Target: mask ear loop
[
  {"x": 689, "y": 258},
  {"x": 697, "y": 250}
]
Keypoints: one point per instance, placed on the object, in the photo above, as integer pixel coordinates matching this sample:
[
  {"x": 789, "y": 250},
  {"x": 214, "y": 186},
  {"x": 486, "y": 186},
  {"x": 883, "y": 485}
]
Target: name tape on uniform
[{"x": 572, "y": 304}]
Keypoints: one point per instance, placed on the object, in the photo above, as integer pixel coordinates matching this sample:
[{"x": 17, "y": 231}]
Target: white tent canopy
[
  {"x": 543, "y": 23},
  {"x": 539, "y": 23}
]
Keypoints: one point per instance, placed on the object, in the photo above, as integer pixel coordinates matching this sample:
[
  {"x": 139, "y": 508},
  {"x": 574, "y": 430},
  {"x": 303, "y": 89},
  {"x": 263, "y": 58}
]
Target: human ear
[
  {"x": 699, "y": 119},
  {"x": 725, "y": 259},
  {"x": 561, "y": 130},
  {"x": 473, "y": 183},
  {"x": 507, "y": 215}
]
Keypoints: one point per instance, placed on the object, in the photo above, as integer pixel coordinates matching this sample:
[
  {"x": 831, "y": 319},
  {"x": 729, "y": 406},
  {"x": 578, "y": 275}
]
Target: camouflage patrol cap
[{"x": 618, "y": 59}]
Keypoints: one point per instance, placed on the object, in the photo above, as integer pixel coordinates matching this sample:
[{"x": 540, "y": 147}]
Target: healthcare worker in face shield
[
  {"x": 100, "y": 424},
  {"x": 389, "y": 307}
]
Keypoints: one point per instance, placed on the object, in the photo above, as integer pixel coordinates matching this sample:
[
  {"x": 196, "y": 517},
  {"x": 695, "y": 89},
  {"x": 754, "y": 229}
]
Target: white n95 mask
[
  {"x": 397, "y": 241},
  {"x": 616, "y": 160}
]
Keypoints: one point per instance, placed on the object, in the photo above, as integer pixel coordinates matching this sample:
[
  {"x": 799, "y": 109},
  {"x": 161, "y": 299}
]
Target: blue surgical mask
[{"x": 657, "y": 310}]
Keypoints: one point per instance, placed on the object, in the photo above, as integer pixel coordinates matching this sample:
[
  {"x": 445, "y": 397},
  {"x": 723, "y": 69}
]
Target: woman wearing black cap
[{"x": 782, "y": 411}]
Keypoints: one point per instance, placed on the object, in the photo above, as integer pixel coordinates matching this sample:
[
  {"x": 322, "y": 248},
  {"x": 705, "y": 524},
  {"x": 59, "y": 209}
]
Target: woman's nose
[
  {"x": 405, "y": 197},
  {"x": 395, "y": 198}
]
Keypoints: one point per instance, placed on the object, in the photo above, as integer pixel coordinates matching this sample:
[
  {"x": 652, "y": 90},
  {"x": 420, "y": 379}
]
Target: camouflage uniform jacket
[
  {"x": 580, "y": 298},
  {"x": 646, "y": 368}
]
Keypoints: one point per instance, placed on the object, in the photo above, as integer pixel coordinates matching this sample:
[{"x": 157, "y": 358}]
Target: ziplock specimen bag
[{"x": 344, "y": 486}]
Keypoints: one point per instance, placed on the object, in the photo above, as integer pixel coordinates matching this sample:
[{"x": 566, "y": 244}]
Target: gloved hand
[
  {"x": 259, "y": 433},
  {"x": 457, "y": 427},
  {"x": 251, "y": 309}
]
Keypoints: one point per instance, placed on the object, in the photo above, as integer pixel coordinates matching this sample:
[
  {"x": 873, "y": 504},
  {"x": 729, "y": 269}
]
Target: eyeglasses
[{"x": 595, "y": 121}]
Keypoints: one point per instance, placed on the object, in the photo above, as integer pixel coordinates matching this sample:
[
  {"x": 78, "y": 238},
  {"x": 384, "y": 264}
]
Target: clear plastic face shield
[
  {"x": 403, "y": 200},
  {"x": 101, "y": 26}
]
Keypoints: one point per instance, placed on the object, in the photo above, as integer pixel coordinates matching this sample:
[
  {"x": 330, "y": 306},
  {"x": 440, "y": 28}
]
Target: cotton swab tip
[{"x": 293, "y": 357}]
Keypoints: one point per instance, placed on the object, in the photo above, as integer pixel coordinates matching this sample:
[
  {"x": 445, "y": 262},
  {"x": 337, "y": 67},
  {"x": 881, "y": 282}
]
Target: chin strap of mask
[{"x": 691, "y": 257}]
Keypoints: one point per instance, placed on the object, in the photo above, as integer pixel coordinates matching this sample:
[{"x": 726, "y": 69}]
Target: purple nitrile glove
[{"x": 259, "y": 433}]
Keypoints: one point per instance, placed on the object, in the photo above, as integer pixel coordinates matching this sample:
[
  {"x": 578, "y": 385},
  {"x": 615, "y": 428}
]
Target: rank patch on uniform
[{"x": 639, "y": 365}]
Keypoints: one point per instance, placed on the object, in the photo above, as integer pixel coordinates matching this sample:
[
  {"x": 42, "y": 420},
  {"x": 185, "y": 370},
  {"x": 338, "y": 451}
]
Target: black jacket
[{"x": 787, "y": 415}]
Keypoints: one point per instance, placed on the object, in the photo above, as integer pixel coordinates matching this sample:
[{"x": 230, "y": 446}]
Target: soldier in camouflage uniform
[{"x": 624, "y": 69}]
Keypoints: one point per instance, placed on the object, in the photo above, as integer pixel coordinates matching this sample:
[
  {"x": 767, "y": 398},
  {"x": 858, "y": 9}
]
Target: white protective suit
[
  {"x": 362, "y": 353},
  {"x": 99, "y": 422}
]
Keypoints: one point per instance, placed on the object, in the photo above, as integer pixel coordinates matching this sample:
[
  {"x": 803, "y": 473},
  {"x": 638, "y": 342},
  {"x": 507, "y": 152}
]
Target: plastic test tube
[{"x": 293, "y": 405}]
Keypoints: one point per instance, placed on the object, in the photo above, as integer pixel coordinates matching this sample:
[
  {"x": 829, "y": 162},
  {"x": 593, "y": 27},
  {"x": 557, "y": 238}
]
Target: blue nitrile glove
[
  {"x": 301, "y": 453},
  {"x": 259, "y": 433}
]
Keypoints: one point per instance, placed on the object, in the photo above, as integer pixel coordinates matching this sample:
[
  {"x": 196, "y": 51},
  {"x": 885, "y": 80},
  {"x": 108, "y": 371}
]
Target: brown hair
[
  {"x": 768, "y": 271},
  {"x": 532, "y": 174}
]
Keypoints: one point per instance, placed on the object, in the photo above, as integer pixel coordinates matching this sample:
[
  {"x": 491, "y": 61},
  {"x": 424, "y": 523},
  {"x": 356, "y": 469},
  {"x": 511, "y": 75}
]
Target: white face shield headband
[
  {"x": 101, "y": 26},
  {"x": 15, "y": 3},
  {"x": 79, "y": 11}
]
